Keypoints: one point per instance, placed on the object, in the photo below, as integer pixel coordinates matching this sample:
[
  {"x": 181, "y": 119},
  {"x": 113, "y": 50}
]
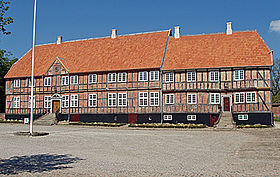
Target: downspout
[
  {"x": 161, "y": 80},
  {"x": 272, "y": 119}
]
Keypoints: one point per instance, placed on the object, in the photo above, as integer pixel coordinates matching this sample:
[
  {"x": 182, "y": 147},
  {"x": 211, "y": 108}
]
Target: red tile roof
[
  {"x": 136, "y": 51},
  {"x": 217, "y": 50},
  {"x": 143, "y": 51}
]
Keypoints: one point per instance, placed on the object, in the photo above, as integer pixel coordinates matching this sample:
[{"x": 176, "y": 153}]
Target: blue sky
[{"x": 91, "y": 18}]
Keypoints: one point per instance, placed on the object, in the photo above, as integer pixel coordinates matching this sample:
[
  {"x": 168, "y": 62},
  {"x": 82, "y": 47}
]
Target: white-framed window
[
  {"x": 143, "y": 98},
  {"x": 154, "y": 98},
  {"x": 16, "y": 102},
  {"x": 169, "y": 77},
  {"x": 154, "y": 75},
  {"x": 29, "y": 101},
  {"x": 92, "y": 78},
  {"x": 47, "y": 81},
  {"x": 214, "y": 76},
  {"x": 17, "y": 83},
  {"x": 143, "y": 76},
  {"x": 239, "y": 75},
  {"x": 74, "y": 79},
  {"x": 239, "y": 98},
  {"x": 112, "y": 99},
  {"x": 251, "y": 97},
  {"x": 191, "y": 98},
  {"x": 243, "y": 117},
  {"x": 122, "y": 77},
  {"x": 47, "y": 101},
  {"x": 74, "y": 100},
  {"x": 191, "y": 117},
  {"x": 214, "y": 98},
  {"x": 191, "y": 76},
  {"x": 122, "y": 99},
  {"x": 92, "y": 100},
  {"x": 111, "y": 77},
  {"x": 64, "y": 80},
  {"x": 169, "y": 98},
  {"x": 29, "y": 82},
  {"x": 167, "y": 117},
  {"x": 65, "y": 101}
]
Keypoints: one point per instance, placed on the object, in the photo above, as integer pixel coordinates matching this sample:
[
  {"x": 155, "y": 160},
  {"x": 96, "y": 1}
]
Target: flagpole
[{"x": 32, "y": 77}]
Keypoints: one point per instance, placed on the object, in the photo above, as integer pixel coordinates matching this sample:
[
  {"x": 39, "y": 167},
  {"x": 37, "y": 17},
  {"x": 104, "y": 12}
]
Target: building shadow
[{"x": 36, "y": 163}]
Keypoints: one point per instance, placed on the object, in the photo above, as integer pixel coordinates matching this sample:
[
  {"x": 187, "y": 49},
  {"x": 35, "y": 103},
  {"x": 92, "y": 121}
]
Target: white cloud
[{"x": 275, "y": 26}]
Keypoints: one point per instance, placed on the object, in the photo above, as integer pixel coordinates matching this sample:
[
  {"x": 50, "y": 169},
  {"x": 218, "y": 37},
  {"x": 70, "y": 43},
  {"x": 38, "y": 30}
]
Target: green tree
[
  {"x": 276, "y": 81},
  {"x": 6, "y": 59}
]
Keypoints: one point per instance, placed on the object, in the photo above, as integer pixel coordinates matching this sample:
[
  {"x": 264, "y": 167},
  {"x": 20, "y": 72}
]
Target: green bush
[
  {"x": 254, "y": 126},
  {"x": 97, "y": 124},
  {"x": 158, "y": 125}
]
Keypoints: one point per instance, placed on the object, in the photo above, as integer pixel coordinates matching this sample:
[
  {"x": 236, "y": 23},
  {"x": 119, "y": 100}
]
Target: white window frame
[
  {"x": 239, "y": 75},
  {"x": 143, "y": 99},
  {"x": 169, "y": 98},
  {"x": 64, "y": 80},
  {"x": 111, "y": 77},
  {"x": 154, "y": 75},
  {"x": 122, "y": 99},
  {"x": 48, "y": 81},
  {"x": 215, "y": 98},
  {"x": 251, "y": 97},
  {"x": 237, "y": 97},
  {"x": 16, "y": 102},
  {"x": 92, "y": 78},
  {"x": 29, "y": 82},
  {"x": 242, "y": 117},
  {"x": 191, "y": 117},
  {"x": 191, "y": 76},
  {"x": 74, "y": 101},
  {"x": 47, "y": 101},
  {"x": 17, "y": 83},
  {"x": 167, "y": 117},
  {"x": 29, "y": 101},
  {"x": 112, "y": 99},
  {"x": 143, "y": 76},
  {"x": 169, "y": 77},
  {"x": 154, "y": 98},
  {"x": 214, "y": 76},
  {"x": 122, "y": 77},
  {"x": 74, "y": 79},
  {"x": 65, "y": 101},
  {"x": 191, "y": 98},
  {"x": 92, "y": 100}
]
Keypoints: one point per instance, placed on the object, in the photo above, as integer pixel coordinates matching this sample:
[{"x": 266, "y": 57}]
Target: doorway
[
  {"x": 55, "y": 106},
  {"x": 226, "y": 103},
  {"x": 132, "y": 118}
]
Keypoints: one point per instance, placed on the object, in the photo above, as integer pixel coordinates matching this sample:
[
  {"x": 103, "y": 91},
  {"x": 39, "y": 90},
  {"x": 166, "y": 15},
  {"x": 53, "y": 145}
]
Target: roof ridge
[
  {"x": 76, "y": 40},
  {"x": 201, "y": 34}
]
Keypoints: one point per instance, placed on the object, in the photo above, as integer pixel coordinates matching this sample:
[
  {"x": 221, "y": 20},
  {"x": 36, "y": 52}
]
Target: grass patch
[
  {"x": 98, "y": 124},
  {"x": 12, "y": 121},
  {"x": 254, "y": 126},
  {"x": 158, "y": 125}
]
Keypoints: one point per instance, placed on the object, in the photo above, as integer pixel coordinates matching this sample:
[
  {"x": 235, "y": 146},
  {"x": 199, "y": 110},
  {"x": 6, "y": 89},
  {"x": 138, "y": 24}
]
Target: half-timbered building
[{"x": 147, "y": 77}]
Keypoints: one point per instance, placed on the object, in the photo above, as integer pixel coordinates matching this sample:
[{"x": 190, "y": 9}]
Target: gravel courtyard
[{"x": 92, "y": 151}]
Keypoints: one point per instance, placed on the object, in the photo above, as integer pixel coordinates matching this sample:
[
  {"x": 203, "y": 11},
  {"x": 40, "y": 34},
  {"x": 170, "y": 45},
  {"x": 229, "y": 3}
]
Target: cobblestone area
[{"x": 92, "y": 151}]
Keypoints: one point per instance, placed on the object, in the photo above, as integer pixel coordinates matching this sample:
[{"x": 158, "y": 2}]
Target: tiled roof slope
[
  {"x": 136, "y": 51},
  {"x": 217, "y": 50}
]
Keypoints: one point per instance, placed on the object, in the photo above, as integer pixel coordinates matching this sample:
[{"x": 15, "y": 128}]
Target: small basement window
[
  {"x": 167, "y": 117},
  {"x": 191, "y": 117},
  {"x": 243, "y": 117}
]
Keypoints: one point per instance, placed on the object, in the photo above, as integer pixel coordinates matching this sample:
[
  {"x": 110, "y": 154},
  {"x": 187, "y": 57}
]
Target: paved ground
[{"x": 89, "y": 151}]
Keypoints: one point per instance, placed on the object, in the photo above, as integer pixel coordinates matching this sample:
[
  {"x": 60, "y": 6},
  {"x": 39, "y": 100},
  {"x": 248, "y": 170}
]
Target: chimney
[
  {"x": 229, "y": 29},
  {"x": 59, "y": 40},
  {"x": 114, "y": 33},
  {"x": 177, "y": 32}
]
